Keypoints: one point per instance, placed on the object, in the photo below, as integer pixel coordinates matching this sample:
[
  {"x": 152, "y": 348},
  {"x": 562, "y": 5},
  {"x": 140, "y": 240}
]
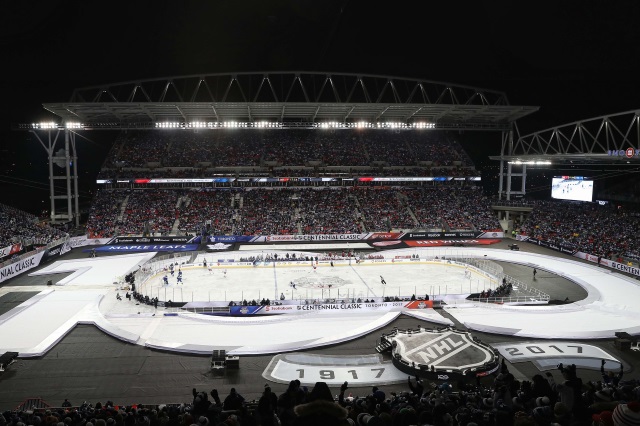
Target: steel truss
[
  {"x": 609, "y": 139},
  {"x": 290, "y": 97}
]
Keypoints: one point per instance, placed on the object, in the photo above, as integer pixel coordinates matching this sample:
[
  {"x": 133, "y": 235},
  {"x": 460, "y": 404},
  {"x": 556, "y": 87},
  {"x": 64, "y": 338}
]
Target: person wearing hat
[
  {"x": 233, "y": 401},
  {"x": 287, "y": 401},
  {"x": 377, "y": 394},
  {"x": 418, "y": 389},
  {"x": 627, "y": 414},
  {"x": 320, "y": 410},
  {"x": 267, "y": 405},
  {"x": 609, "y": 377},
  {"x": 570, "y": 391}
]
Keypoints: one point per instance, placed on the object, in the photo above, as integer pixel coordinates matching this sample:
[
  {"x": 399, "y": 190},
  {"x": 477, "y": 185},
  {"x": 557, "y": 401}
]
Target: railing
[
  {"x": 504, "y": 300},
  {"x": 497, "y": 271}
]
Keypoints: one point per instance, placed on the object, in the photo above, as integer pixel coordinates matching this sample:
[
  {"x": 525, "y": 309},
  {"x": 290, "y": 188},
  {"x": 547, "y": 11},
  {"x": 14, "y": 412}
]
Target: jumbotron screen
[{"x": 577, "y": 188}]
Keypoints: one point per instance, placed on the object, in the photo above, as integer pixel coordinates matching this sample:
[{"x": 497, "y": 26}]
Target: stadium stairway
[
  {"x": 123, "y": 208},
  {"x": 383, "y": 346},
  {"x": 175, "y": 227}
]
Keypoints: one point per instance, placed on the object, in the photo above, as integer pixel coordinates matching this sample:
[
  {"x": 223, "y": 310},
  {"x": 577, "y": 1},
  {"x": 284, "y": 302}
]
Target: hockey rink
[
  {"x": 300, "y": 281},
  {"x": 88, "y": 296}
]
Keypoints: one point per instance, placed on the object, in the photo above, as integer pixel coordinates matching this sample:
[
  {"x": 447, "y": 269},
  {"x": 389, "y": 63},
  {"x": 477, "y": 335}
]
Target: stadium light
[
  {"x": 45, "y": 125},
  {"x": 73, "y": 125}
]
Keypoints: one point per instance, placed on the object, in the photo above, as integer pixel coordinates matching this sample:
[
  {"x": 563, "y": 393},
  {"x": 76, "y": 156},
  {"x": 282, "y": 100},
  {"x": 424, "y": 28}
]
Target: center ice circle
[{"x": 320, "y": 282}]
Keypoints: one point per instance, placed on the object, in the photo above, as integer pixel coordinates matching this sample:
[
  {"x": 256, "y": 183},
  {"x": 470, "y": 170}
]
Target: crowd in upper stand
[
  {"x": 17, "y": 226},
  {"x": 149, "y": 211},
  {"x": 104, "y": 212},
  {"x": 267, "y": 212},
  {"x": 560, "y": 397},
  {"x": 215, "y": 205},
  {"x": 289, "y": 211},
  {"x": 290, "y": 147},
  {"x": 327, "y": 212},
  {"x": 606, "y": 231},
  {"x": 381, "y": 209}
]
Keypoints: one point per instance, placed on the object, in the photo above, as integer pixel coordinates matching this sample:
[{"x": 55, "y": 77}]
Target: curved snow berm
[{"x": 612, "y": 303}]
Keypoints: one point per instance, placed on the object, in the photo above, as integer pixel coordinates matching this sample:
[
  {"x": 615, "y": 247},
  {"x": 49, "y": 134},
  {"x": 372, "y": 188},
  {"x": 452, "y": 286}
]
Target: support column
[{"x": 66, "y": 158}]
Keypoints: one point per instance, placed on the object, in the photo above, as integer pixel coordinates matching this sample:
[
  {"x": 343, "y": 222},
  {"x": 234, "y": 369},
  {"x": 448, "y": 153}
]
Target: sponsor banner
[
  {"x": 610, "y": 263},
  {"x": 244, "y": 310},
  {"x": 232, "y": 238},
  {"x": 21, "y": 266},
  {"x": 622, "y": 267},
  {"x": 384, "y": 235},
  {"x": 491, "y": 234},
  {"x": 562, "y": 248},
  {"x": 457, "y": 234},
  {"x": 297, "y": 309},
  {"x": 148, "y": 247},
  {"x": 78, "y": 241},
  {"x": 429, "y": 235},
  {"x": 438, "y": 243},
  {"x": 9, "y": 250},
  {"x": 419, "y": 304},
  {"x": 314, "y": 237},
  {"x": 350, "y": 306},
  {"x": 218, "y": 247},
  {"x": 52, "y": 252},
  {"x": 154, "y": 240}
]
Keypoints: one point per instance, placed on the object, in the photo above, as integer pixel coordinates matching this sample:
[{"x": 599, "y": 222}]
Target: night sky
[{"x": 574, "y": 59}]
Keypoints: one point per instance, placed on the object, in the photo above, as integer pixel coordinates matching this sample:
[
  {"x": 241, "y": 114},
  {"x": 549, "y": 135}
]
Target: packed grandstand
[{"x": 303, "y": 181}]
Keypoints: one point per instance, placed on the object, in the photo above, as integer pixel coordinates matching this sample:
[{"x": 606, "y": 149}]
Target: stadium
[{"x": 274, "y": 227}]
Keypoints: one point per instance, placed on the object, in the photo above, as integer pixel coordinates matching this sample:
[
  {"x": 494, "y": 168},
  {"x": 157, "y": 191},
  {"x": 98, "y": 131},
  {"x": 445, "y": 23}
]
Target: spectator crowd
[
  {"x": 561, "y": 398},
  {"x": 290, "y": 147},
  {"x": 288, "y": 211},
  {"x": 20, "y": 227},
  {"x": 609, "y": 231}
]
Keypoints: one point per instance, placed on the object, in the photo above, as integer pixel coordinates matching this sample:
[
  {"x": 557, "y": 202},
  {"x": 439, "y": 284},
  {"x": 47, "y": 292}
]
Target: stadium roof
[
  {"x": 609, "y": 139},
  {"x": 293, "y": 98}
]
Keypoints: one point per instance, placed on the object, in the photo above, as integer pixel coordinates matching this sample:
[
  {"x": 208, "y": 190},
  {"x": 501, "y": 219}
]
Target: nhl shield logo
[{"x": 427, "y": 352}]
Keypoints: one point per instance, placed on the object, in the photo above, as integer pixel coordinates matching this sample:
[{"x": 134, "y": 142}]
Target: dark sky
[{"x": 574, "y": 59}]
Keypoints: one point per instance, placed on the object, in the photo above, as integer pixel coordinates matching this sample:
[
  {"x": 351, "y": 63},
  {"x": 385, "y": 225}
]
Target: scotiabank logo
[{"x": 279, "y": 308}]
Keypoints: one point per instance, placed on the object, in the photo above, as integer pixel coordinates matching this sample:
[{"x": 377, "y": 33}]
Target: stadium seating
[{"x": 496, "y": 399}]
